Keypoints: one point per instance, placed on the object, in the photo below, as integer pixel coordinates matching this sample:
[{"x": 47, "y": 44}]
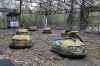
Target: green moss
[
  {"x": 55, "y": 46},
  {"x": 94, "y": 55},
  {"x": 92, "y": 50},
  {"x": 92, "y": 47},
  {"x": 64, "y": 49},
  {"x": 60, "y": 48}
]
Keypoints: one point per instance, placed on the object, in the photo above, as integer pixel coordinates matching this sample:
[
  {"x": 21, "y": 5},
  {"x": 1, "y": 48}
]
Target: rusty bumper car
[
  {"x": 47, "y": 31},
  {"x": 32, "y": 28}
]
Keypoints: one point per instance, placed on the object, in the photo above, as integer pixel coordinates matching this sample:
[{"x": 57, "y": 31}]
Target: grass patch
[
  {"x": 92, "y": 47},
  {"x": 94, "y": 55},
  {"x": 93, "y": 50}
]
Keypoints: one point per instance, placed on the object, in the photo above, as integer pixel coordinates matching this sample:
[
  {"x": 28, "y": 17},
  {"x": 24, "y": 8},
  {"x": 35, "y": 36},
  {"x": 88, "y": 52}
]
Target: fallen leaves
[{"x": 38, "y": 55}]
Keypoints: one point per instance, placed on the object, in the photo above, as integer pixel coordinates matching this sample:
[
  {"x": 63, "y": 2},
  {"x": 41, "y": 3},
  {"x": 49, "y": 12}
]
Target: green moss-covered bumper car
[
  {"x": 20, "y": 41},
  {"x": 47, "y": 31},
  {"x": 32, "y": 28},
  {"x": 68, "y": 47}
]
